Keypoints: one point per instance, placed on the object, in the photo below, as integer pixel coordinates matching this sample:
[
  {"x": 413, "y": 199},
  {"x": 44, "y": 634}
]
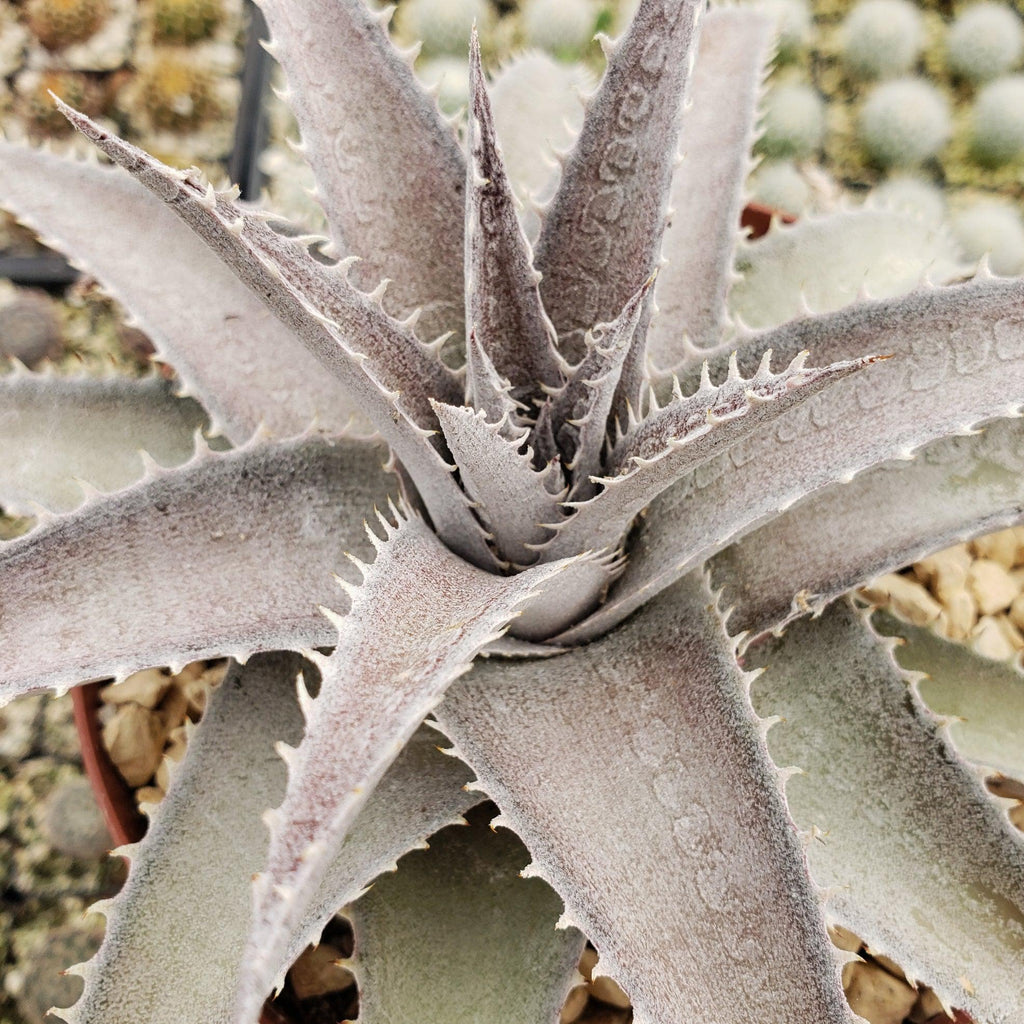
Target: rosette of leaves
[{"x": 555, "y": 499}]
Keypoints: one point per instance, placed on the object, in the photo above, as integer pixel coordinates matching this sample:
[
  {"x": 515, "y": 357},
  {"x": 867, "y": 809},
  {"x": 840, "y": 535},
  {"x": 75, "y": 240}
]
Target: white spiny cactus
[{"x": 985, "y": 41}]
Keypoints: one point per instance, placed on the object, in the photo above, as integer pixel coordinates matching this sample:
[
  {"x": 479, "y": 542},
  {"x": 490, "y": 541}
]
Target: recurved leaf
[
  {"x": 54, "y": 430},
  {"x": 687, "y": 433},
  {"x": 229, "y": 553},
  {"x": 175, "y": 934},
  {"x": 231, "y": 352},
  {"x": 602, "y": 235},
  {"x": 920, "y": 863},
  {"x": 954, "y": 348},
  {"x": 389, "y": 172},
  {"x": 376, "y": 688},
  {"x": 983, "y": 699},
  {"x": 879, "y": 521},
  {"x": 707, "y": 188},
  {"x": 659, "y": 711},
  {"x": 456, "y": 927},
  {"x": 378, "y": 361}
]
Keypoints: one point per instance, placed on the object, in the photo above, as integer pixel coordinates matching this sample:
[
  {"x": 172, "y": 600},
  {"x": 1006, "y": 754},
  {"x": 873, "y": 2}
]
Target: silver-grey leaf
[
  {"x": 688, "y": 823},
  {"x": 154, "y": 573}
]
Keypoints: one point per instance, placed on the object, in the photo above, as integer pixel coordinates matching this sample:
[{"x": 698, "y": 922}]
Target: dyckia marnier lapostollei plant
[{"x": 563, "y": 503}]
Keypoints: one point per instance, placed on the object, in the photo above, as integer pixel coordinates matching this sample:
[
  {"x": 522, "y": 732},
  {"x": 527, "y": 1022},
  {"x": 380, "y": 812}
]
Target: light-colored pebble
[
  {"x": 1017, "y": 816},
  {"x": 1018, "y": 532},
  {"x": 173, "y": 751},
  {"x": 174, "y": 707},
  {"x": 989, "y": 640},
  {"x": 992, "y": 586},
  {"x": 949, "y": 579},
  {"x": 146, "y": 688},
  {"x": 134, "y": 738},
  {"x": 961, "y": 611},
  {"x": 317, "y": 972},
  {"x": 958, "y": 556},
  {"x": 907, "y": 597},
  {"x": 574, "y": 1005},
  {"x": 607, "y": 991},
  {"x": 1017, "y": 611},
  {"x": 843, "y": 938},
  {"x": 1011, "y": 632},
  {"x": 197, "y": 685},
  {"x": 1000, "y": 547},
  {"x": 876, "y": 995},
  {"x": 149, "y": 795}
]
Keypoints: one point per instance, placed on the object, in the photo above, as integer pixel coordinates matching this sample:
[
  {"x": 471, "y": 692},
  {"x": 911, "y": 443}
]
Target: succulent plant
[
  {"x": 985, "y": 41},
  {"x": 904, "y": 122},
  {"x": 558, "y": 481},
  {"x": 997, "y": 121},
  {"x": 882, "y": 38}
]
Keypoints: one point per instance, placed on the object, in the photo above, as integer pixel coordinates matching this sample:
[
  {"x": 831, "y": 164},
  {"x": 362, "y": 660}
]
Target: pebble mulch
[{"x": 972, "y": 592}]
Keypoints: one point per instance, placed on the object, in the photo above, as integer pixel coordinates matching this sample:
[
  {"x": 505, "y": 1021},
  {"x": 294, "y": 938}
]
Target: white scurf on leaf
[{"x": 553, "y": 480}]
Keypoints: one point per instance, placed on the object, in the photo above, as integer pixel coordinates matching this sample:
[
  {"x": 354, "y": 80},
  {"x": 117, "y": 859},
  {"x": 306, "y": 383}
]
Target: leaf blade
[
  {"x": 190, "y": 876},
  {"x": 877, "y": 523},
  {"x": 716, "y": 136},
  {"x": 457, "y": 927},
  {"x": 923, "y": 866},
  {"x": 57, "y": 429},
  {"x": 660, "y": 695},
  {"x": 376, "y": 690},
  {"x": 390, "y": 174},
  {"x": 954, "y": 349},
  {"x": 154, "y": 572},
  {"x": 210, "y": 341},
  {"x": 622, "y": 161}
]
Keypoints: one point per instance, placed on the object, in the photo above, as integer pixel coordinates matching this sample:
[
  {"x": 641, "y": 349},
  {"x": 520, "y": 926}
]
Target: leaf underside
[
  {"x": 376, "y": 689},
  {"x": 175, "y": 932},
  {"x": 707, "y": 187},
  {"x": 922, "y": 865},
  {"x": 456, "y": 933},
  {"x": 154, "y": 573},
  {"x": 954, "y": 489},
  {"x": 230, "y": 351},
  {"x": 984, "y": 699},
  {"x": 54, "y": 430},
  {"x": 827, "y": 262},
  {"x": 658, "y": 712}
]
